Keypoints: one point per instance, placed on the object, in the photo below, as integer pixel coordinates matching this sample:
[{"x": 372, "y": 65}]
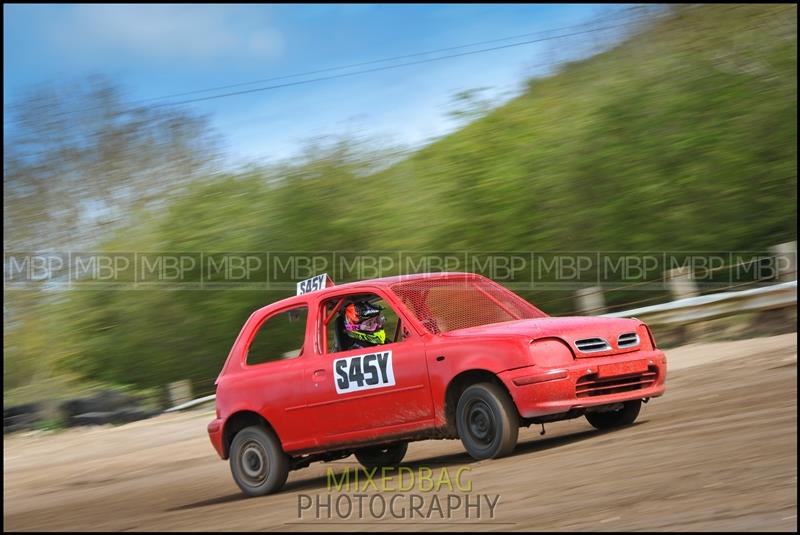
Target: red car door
[{"x": 365, "y": 393}]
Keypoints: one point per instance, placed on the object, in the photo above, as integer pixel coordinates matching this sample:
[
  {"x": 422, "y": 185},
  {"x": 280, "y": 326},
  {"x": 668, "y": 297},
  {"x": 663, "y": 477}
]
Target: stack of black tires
[
  {"x": 106, "y": 407},
  {"x": 21, "y": 417}
]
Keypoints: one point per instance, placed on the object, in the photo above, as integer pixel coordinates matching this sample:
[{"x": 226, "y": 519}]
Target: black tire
[
  {"x": 487, "y": 421},
  {"x": 611, "y": 419},
  {"x": 258, "y": 463},
  {"x": 380, "y": 456}
]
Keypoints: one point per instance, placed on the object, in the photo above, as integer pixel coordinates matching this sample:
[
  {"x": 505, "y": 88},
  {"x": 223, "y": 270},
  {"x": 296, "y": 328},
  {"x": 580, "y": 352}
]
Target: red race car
[{"x": 363, "y": 368}]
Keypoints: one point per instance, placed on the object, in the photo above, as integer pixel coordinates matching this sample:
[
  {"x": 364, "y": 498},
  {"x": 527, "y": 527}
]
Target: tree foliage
[{"x": 683, "y": 137}]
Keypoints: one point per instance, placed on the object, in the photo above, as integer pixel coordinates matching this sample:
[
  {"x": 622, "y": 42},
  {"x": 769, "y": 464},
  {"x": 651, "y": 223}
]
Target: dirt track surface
[{"x": 716, "y": 452}]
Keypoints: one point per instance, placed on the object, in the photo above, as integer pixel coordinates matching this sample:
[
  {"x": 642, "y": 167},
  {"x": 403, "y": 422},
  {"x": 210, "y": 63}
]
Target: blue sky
[{"x": 156, "y": 50}]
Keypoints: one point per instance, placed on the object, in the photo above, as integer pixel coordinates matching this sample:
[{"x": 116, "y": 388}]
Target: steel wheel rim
[
  {"x": 254, "y": 462},
  {"x": 481, "y": 423}
]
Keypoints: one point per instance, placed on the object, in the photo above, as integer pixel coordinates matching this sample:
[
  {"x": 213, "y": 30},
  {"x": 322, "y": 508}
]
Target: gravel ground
[{"x": 716, "y": 452}]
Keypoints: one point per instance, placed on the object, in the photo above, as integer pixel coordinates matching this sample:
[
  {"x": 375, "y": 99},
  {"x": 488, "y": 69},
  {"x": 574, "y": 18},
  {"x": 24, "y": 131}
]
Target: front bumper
[{"x": 540, "y": 391}]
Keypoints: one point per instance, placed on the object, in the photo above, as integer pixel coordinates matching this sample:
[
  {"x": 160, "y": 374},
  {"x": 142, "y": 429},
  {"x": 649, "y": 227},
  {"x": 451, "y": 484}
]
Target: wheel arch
[
  {"x": 456, "y": 387},
  {"x": 238, "y": 421}
]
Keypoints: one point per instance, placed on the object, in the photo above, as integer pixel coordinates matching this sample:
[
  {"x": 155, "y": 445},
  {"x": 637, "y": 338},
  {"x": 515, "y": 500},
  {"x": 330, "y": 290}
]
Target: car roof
[
  {"x": 383, "y": 282},
  {"x": 389, "y": 281}
]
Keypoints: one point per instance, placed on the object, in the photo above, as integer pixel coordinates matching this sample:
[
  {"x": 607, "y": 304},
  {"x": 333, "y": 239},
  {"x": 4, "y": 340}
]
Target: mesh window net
[{"x": 444, "y": 305}]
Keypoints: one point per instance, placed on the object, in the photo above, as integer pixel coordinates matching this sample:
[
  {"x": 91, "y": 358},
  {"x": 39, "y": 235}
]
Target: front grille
[
  {"x": 626, "y": 340},
  {"x": 591, "y": 385},
  {"x": 592, "y": 345}
]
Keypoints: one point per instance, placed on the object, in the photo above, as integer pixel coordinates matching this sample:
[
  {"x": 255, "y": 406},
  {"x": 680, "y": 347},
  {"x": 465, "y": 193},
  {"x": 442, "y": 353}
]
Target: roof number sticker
[
  {"x": 313, "y": 284},
  {"x": 363, "y": 372}
]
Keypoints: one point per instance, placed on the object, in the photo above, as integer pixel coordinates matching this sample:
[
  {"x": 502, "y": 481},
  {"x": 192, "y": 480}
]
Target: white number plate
[
  {"x": 362, "y": 372},
  {"x": 312, "y": 285}
]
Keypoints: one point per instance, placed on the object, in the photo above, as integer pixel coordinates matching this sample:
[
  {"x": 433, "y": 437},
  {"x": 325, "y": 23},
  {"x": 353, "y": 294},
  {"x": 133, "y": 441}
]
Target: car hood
[{"x": 568, "y": 329}]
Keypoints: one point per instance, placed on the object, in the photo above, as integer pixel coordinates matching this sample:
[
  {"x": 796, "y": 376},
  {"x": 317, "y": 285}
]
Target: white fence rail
[
  {"x": 707, "y": 307},
  {"x": 682, "y": 311},
  {"x": 192, "y": 403}
]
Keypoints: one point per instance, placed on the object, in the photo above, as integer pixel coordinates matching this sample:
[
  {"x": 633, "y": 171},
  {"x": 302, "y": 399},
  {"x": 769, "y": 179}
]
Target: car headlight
[
  {"x": 646, "y": 337},
  {"x": 551, "y": 352}
]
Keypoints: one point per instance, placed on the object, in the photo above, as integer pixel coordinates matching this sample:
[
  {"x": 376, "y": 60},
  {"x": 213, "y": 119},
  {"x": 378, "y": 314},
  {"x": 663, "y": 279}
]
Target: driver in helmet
[{"x": 364, "y": 322}]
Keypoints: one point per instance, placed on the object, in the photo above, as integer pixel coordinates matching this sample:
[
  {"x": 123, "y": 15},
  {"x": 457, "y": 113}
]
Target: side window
[
  {"x": 280, "y": 336},
  {"x": 337, "y": 335}
]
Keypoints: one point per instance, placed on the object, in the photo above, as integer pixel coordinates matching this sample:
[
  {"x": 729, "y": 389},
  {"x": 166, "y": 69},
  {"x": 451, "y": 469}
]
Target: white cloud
[{"x": 168, "y": 31}]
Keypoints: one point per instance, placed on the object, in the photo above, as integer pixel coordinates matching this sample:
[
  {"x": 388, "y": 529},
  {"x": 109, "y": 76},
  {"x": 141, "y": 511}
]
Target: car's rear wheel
[
  {"x": 617, "y": 418},
  {"x": 384, "y": 455},
  {"x": 487, "y": 421},
  {"x": 258, "y": 463}
]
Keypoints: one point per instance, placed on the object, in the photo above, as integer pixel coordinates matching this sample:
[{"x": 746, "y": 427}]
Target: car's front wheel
[
  {"x": 617, "y": 418},
  {"x": 487, "y": 421},
  {"x": 258, "y": 463},
  {"x": 380, "y": 456}
]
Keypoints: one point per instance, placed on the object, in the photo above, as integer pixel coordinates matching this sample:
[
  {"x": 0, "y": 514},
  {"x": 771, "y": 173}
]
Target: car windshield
[{"x": 444, "y": 305}]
